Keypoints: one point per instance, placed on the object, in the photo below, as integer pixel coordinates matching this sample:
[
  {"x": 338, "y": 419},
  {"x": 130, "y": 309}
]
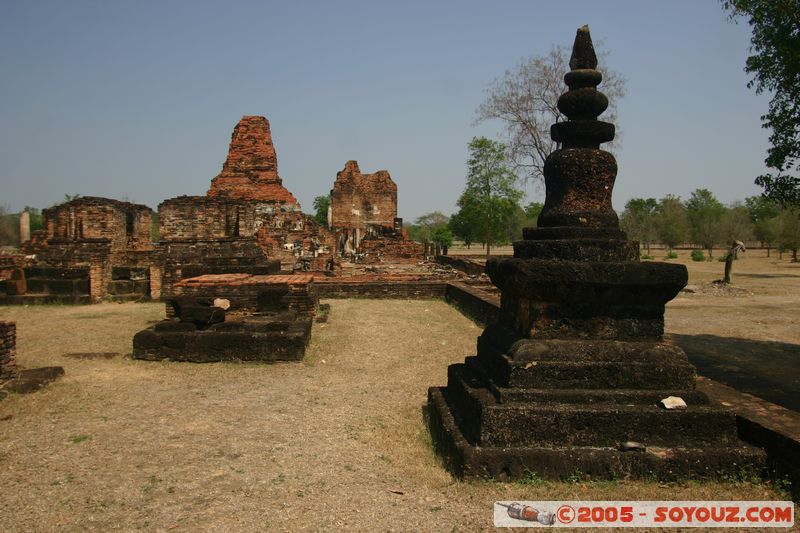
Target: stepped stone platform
[
  {"x": 570, "y": 373},
  {"x": 233, "y": 317}
]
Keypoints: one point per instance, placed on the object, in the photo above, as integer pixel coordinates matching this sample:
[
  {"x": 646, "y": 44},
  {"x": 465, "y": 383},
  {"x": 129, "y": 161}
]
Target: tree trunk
[
  {"x": 710, "y": 249},
  {"x": 728, "y": 266}
]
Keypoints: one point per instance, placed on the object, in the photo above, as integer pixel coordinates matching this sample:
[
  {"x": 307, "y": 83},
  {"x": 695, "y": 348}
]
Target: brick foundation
[{"x": 295, "y": 293}]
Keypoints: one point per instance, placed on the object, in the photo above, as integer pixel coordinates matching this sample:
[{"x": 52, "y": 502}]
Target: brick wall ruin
[
  {"x": 363, "y": 214},
  {"x": 362, "y": 200},
  {"x": 126, "y": 226},
  {"x": 93, "y": 235},
  {"x": 8, "y": 350}
]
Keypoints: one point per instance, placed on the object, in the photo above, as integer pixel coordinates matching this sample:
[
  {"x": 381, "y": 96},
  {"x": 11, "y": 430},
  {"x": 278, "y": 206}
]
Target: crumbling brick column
[
  {"x": 155, "y": 282},
  {"x": 98, "y": 281},
  {"x": 8, "y": 350}
]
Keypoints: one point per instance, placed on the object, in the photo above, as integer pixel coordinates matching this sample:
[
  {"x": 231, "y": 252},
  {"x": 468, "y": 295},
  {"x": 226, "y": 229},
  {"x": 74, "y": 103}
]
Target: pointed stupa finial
[{"x": 583, "y": 56}]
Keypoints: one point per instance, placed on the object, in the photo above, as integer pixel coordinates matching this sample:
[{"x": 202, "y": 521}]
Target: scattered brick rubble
[{"x": 570, "y": 374}]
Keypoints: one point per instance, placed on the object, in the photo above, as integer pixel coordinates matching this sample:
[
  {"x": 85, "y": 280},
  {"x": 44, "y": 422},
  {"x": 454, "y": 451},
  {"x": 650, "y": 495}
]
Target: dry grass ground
[{"x": 334, "y": 443}]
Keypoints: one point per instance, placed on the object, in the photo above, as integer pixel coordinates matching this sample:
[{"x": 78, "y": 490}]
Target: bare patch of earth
[{"x": 334, "y": 443}]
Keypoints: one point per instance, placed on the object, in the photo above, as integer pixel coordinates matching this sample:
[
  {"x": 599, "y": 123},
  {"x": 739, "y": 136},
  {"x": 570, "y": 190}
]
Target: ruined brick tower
[
  {"x": 251, "y": 170},
  {"x": 362, "y": 200},
  {"x": 569, "y": 380}
]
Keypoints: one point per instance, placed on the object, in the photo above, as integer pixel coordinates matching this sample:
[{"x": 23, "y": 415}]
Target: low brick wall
[
  {"x": 8, "y": 349},
  {"x": 765, "y": 425},
  {"x": 464, "y": 265},
  {"x": 382, "y": 289},
  {"x": 478, "y": 305}
]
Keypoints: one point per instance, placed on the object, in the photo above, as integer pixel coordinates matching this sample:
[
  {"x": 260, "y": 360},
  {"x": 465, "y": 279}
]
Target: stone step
[
  {"x": 465, "y": 460},
  {"x": 487, "y": 422},
  {"x": 616, "y": 396},
  {"x": 527, "y": 350},
  {"x": 595, "y": 396},
  {"x": 609, "y": 250},
  {"x": 589, "y": 375}
]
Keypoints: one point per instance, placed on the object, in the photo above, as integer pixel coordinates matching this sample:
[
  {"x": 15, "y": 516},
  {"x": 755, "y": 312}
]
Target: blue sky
[{"x": 137, "y": 100}]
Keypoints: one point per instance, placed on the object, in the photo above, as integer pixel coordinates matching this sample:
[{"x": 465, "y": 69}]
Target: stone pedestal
[{"x": 569, "y": 380}]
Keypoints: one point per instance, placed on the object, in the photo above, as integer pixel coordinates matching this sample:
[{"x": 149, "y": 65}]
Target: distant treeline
[{"x": 701, "y": 220}]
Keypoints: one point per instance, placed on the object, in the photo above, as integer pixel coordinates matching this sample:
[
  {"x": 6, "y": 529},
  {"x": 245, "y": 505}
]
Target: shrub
[
  {"x": 646, "y": 257},
  {"x": 698, "y": 255},
  {"x": 671, "y": 255}
]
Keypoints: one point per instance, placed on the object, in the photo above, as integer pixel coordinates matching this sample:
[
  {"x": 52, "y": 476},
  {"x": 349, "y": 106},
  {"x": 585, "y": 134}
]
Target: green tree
[
  {"x": 705, "y": 214},
  {"x": 9, "y": 228},
  {"x": 735, "y": 224},
  {"x": 527, "y": 217},
  {"x": 442, "y": 235},
  {"x": 461, "y": 228},
  {"x": 789, "y": 231},
  {"x": 763, "y": 212},
  {"x": 321, "y": 204},
  {"x": 775, "y": 65},
  {"x": 36, "y": 218},
  {"x": 671, "y": 221},
  {"x": 533, "y": 210},
  {"x": 490, "y": 196},
  {"x": 638, "y": 220},
  {"x": 426, "y": 226}
]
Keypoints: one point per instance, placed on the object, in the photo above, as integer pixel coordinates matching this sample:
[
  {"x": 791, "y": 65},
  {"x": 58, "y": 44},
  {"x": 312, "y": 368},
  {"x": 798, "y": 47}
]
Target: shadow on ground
[
  {"x": 767, "y": 369},
  {"x": 767, "y": 276}
]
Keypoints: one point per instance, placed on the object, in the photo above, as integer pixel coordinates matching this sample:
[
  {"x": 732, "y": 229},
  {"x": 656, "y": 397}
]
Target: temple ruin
[
  {"x": 573, "y": 376},
  {"x": 246, "y": 222},
  {"x": 90, "y": 249},
  {"x": 363, "y": 215}
]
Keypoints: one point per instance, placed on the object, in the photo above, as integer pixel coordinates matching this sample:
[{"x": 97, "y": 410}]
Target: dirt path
[{"x": 334, "y": 443}]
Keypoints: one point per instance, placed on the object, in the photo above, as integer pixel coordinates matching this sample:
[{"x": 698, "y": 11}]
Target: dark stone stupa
[{"x": 570, "y": 378}]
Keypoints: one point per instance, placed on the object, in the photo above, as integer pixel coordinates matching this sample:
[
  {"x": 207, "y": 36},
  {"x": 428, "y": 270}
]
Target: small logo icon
[
  {"x": 565, "y": 514},
  {"x": 527, "y": 513}
]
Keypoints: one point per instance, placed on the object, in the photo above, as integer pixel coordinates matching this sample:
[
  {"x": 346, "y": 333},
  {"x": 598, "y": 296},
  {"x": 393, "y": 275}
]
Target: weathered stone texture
[
  {"x": 262, "y": 293},
  {"x": 265, "y": 319},
  {"x": 251, "y": 170},
  {"x": 8, "y": 350},
  {"x": 361, "y": 200},
  {"x": 574, "y": 364}
]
